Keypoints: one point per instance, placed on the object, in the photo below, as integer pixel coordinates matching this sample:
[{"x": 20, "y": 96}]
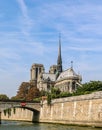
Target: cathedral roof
[
  {"x": 69, "y": 73},
  {"x": 48, "y": 76}
]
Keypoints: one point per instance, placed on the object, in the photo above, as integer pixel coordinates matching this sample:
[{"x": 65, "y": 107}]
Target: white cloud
[
  {"x": 25, "y": 20},
  {"x": 23, "y": 8},
  {"x": 91, "y": 49}
]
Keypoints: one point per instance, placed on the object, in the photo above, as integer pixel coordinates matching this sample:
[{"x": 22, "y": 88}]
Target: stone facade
[
  {"x": 36, "y": 69},
  {"x": 68, "y": 80}
]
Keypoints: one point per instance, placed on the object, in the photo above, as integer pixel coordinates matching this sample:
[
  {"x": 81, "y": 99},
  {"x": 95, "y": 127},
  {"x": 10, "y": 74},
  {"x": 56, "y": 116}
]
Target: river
[{"x": 15, "y": 125}]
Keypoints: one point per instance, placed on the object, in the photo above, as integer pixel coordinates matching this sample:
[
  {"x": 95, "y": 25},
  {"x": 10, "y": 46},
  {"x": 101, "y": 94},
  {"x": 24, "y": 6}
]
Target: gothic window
[
  {"x": 68, "y": 85},
  {"x": 36, "y": 73},
  {"x": 55, "y": 71},
  {"x": 39, "y": 70},
  {"x": 48, "y": 87},
  {"x": 73, "y": 85},
  {"x": 76, "y": 86}
]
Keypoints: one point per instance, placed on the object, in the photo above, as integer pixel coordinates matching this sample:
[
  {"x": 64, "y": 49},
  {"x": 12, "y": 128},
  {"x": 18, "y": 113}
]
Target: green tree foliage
[
  {"x": 55, "y": 92},
  {"x": 43, "y": 93},
  {"x": 4, "y": 97},
  {"x": 89, "y": 87},
  {"x": 65, "y": 94},
  {"x": 14, "y": 98},
  {"x": 49, "y": 98}
]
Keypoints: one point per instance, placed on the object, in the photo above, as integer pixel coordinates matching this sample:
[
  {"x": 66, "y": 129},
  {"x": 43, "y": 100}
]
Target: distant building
[{"x": 66, "y": 81}]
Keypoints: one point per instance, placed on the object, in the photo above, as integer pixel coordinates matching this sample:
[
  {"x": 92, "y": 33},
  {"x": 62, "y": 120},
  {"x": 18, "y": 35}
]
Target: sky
[{"x": 29, "y": 33}]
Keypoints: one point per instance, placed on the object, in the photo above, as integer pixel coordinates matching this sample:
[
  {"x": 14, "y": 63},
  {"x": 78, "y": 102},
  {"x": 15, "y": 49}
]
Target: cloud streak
[{"x": 26, "y": 22}]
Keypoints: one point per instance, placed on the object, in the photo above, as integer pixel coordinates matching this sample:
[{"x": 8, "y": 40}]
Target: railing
[{"x": 8, "y": 100}]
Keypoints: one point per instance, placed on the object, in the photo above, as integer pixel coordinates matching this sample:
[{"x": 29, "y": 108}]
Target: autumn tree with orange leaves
[{"x": 27, "y": 91}]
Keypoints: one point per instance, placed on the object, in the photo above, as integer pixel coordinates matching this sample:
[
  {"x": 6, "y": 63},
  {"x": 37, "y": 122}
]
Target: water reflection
[{"x": 15, "y": 125}]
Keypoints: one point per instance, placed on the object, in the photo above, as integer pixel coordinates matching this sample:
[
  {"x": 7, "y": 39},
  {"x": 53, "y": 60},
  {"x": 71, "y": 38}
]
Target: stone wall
[
  {"x": 19, "y": 114},
  {"x": 79, "y": 110}
]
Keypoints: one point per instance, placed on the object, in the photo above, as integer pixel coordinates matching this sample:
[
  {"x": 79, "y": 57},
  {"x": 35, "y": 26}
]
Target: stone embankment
[
  {"x": 77, "y": 110},
  {"x": 83, "y": 110}
]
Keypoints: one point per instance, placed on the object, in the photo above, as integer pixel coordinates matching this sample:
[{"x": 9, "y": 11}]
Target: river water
[{"x": 15, "y": 125}]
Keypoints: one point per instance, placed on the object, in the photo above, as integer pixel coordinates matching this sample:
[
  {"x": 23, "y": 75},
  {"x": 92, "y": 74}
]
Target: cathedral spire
[
  {"x": 59, "y": 60},
  {"x": 71, "y": 64}
]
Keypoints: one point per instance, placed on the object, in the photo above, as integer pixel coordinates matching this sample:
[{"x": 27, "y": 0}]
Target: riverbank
[{"x": 84, "y": 110}]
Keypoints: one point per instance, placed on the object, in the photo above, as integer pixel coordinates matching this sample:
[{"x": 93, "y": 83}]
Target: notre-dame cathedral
[{"x": 66, "y": 81}]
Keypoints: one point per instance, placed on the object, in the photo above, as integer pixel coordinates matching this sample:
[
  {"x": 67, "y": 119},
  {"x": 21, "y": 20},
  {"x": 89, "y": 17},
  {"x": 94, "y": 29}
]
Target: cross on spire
[{"x": 72, "y": 64}]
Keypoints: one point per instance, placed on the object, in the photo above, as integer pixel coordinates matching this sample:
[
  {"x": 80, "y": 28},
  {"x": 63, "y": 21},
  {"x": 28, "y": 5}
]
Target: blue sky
[{"x": 29, "y": 33}]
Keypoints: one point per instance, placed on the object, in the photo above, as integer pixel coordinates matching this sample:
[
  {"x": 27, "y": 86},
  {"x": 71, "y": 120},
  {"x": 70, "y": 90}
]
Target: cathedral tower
[{"x": 36, "y": 69}]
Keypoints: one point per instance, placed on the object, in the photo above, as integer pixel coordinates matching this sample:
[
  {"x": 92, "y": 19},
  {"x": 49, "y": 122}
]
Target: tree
[
  {"x": 27, "y": 91},
  {"x": 49, "y": 98},
  {"x": 89, "y": 87},
  {"x": 55, "y": 92},
  {"x": 23, "y": 90},
  {"x": 14, "y": 98},
  {"x": 33, "y": 92},
  {"x": 4, "y": 97}
]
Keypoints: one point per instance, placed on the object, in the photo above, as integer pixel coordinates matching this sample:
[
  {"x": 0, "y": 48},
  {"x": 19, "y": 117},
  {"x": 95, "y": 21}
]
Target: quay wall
[{"x": 83, "y": 110}]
